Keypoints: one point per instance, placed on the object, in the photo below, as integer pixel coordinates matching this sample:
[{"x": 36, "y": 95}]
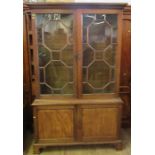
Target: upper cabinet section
[{"x": 75, "y": 48}]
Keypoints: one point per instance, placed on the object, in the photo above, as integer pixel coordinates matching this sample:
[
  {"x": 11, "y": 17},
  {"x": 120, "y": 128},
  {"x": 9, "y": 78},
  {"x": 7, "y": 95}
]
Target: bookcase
[{"x": 75, "y": 56}]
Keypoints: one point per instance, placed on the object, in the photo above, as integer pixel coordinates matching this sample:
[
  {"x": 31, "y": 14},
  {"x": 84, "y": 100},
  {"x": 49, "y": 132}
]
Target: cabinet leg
[
  {"x": 36, "y": 150},
  {"x": 119, "y": 146}
]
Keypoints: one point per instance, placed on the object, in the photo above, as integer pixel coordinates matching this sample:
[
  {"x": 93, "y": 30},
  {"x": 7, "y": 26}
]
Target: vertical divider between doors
[
  {"x": 78, "y": 73},
  {"x": 74, "y": 58},
  {"x": 78, "y": 52},
  {"x": 78, "y": 123}
]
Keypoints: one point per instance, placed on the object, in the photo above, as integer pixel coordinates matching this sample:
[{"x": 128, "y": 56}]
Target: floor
[{"x": 84, "y": 150}]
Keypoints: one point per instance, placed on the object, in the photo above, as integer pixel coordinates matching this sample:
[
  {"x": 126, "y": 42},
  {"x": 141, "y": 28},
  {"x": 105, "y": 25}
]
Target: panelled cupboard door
[
  {"x": 100, "y": 123},
  {"x": 55, "y": 124}
]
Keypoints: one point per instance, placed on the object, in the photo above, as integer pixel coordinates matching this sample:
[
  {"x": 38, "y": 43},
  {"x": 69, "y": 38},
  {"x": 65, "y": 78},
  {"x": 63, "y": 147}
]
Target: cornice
[{"x": 34, "y": 6}]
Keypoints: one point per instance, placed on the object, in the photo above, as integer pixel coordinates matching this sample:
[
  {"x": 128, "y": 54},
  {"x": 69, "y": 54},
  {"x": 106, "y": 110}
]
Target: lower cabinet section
[{"x": 76, "y": 123}]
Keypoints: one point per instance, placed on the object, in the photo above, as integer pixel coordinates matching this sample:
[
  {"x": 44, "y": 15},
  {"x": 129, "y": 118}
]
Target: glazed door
[
  {"x": 56, "y": 53},
  {"x": 100, "y": 50}
]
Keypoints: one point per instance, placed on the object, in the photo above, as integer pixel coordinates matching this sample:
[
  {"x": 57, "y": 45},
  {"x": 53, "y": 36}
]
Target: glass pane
[
  {"x": 99, "y": 55},
  {"x": 88, "y": 55},
  {"x": 109, "y": 55},
  {"x": 98, "y": 74},
  {"x": 68, "y": 89},
  {"x": 45, "y": 89},
  {"x": 44, "y": 56},
  {"x": 99, "y": 35},
  {"x": 84, "y": 74},
  {"x": 41, "y": 75},
  {"x": 67, "y": 55},
  {"x": 110, "y": 87},
  {"x": 56, "y": 55},
  {"x": 55, "y": 47},
  {"x": 57, "y": 74},
  {"x": 87, "y": 88},
  {"x": 99, "y": 48}
]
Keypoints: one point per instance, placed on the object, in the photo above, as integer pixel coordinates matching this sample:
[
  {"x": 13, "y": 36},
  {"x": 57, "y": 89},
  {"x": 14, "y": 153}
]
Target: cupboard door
[
  {"x": 99, "y": 42},
  {"x": 55, "y": 124},
  {"x": 55, "y": 50},
  {"x": 100, "y": 123}
]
